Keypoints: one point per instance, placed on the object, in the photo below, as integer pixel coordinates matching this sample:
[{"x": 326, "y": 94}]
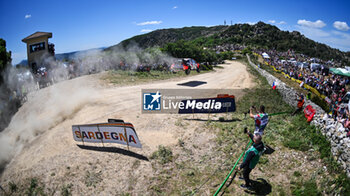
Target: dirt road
[{"x": 39, "y": 139}]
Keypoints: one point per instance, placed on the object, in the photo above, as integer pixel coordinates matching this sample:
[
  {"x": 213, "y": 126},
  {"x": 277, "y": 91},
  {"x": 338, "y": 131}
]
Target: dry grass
[{"x": 131, "y": 77}]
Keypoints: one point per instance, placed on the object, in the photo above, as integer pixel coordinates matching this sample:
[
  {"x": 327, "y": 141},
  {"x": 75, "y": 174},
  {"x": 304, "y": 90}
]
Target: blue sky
[{"x": 85, "y": 24}]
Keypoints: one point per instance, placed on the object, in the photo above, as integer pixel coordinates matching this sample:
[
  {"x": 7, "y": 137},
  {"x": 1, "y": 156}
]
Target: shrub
[
  {"x": 92, "y": 178},
  {"x": 297, "y": 174},
  {"x": 246, "y": 51},
  {"x": 238, "y": 57},
  {"x": 13, "y": 187},
  {"x": 343, "y": 183},
  {"x": 305, "y": 188},
  {"x": 163, "y": 154},
  {"x": 296, "y": 143},
  {"x": 34, "y": 188},
  {"x": 66, "y": 190},
  {"x": 206, "y": 67}
]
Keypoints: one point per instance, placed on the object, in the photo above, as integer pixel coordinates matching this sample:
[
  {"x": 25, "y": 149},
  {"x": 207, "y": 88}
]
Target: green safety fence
[
  {"x": 278, "y": 113},
  {"x": 233, "y": 168}
]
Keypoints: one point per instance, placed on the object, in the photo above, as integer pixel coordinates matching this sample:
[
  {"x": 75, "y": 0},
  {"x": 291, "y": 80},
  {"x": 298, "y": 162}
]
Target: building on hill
[{"x": 39, "y": 49}]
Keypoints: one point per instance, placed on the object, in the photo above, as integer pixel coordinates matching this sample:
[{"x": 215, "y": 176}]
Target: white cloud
[
  {"x": 251, "y": 23},
  {"x": 316, "y": 24},
  {"x": 175, "y": 7},
  {"x": 336, "y": 39},
  {"x": 149, "y": 23},
  {"x": 341, "y": 26},
  {"x": 312, "y": 32},
  {"x": 278, "y": 23},
  {"x": 342, "y": 34},
  {"x": 27, "y": 16},
  {"x": 339, "y": 40},
  {"x": 145, "y": 30}
]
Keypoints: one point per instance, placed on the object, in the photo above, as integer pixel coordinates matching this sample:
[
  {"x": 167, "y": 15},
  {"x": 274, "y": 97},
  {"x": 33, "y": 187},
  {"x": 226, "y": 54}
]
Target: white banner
[{"x": 121, "y": 133}]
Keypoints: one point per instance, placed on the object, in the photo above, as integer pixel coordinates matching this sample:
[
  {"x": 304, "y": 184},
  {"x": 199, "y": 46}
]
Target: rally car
[
  {"x": 42, "y": 77},
  {"x": 189, "y": 64}
]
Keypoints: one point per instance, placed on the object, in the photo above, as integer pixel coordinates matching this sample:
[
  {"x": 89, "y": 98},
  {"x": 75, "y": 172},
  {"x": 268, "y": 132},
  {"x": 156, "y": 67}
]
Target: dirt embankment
[{"x": 38, "y": 142}]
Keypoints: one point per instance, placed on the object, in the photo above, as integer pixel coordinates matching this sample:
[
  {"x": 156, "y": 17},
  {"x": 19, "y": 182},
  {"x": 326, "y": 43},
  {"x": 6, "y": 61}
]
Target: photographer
[
  {"x": 251, "y": 158},
  {"x": 261, "y": 119}
]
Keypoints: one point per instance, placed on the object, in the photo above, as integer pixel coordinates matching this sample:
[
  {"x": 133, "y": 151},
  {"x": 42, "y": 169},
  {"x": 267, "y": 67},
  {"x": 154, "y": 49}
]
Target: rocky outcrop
[{"x": 333, "y": 130}]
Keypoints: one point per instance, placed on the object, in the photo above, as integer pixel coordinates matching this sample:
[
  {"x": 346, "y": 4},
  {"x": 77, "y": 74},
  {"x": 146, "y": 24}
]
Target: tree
[
  {"x": 5, "y": 57},
  {"x": 246, "y": 50}
]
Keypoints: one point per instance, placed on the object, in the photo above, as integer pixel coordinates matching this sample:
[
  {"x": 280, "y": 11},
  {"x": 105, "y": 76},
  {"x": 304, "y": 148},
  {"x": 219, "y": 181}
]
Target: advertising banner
[
  {"x": 121, "y": 133},
  {"x": 309, "y": 112}
]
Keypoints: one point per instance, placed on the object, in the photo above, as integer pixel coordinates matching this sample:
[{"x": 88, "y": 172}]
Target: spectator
[
  {"x": 261, "y": 119},
  {"x": 300, "y": 104},
  {"x": 328, "y": 84},
  {"x": 251, "y": 158}
]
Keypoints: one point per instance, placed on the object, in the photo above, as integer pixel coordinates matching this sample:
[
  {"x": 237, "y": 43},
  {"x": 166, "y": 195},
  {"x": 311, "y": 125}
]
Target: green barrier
[
  {"x": 278, "y": 113},
  {"x": 233, "y": 168}
]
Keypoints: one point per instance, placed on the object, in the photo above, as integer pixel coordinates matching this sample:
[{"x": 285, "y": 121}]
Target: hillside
[
  {"x": 270, "y": 37},
  {"x": 260, "y": 35},
  {"x": 164, "y": 36}
]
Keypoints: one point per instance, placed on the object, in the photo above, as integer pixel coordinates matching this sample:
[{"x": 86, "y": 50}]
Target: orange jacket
[{"x": 301, "y": 103}]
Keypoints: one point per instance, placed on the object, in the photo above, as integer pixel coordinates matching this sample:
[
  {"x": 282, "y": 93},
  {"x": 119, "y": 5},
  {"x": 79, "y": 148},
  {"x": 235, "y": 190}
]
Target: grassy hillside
[
  {"x": 260, "y": 35},
  {"x": 163, "y": 36},
  {"x": 270, "y": 37}
]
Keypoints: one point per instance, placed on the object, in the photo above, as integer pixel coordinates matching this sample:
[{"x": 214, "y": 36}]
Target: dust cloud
[{"x": 44, "y": 110}]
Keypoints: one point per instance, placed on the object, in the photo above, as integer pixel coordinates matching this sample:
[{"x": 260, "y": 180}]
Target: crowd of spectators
[{"x": 315, "y": 73}]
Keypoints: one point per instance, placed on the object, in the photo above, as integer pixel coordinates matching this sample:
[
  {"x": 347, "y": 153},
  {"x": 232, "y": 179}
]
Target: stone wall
[{"x": 334, "y": 131}]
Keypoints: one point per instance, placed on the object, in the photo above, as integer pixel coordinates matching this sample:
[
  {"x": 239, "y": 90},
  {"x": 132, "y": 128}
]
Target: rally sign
[
  {"x": 117, "y": 132},
  {"x": 220, "y": 104}
]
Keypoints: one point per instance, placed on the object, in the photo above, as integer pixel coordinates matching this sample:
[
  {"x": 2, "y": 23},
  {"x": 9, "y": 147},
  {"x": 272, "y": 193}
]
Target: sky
[{"x": 85, "y": 24}]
